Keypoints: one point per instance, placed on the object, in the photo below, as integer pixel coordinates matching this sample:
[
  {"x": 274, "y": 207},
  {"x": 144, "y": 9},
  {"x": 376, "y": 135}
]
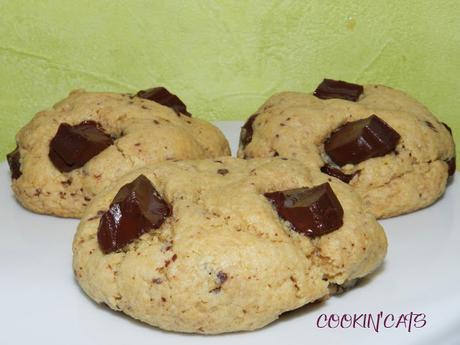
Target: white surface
[{"x": 42, "y": 304}]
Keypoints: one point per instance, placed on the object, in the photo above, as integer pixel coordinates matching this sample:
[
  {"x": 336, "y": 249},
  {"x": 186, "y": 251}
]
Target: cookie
[
  {"x": 390, "y": 148},
  {"x": 213, "y": 246},
  {"x": 67, "y": 154}
]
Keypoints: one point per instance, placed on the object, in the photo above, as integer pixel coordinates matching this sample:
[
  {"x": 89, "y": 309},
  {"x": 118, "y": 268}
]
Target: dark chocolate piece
[
  {"x": 431, "y": 126},
  {"x": 451, "y": 166},
  {"x": 157, "y": 280},
  {"x": 311, "y": 211},
  {"x": 337, "y": 173},
  {"x": 164, "y": 97},
  {"x": 73, "y": 146},
  {"x": 13, "y": 159},
  {"x": 359, "y": 140},
  {"x": 338, "y": 89},
  {"x": 247, "y": 131},
  {"x": 222, "y": 277},
  {"x": 222, "y": 172},
  {"x": 447, "y": 127},
  {"x": 451, "y": 163},
  {"x": 136, "y": 209}
]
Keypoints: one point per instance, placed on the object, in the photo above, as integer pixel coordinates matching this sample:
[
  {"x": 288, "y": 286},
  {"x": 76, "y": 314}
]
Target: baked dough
[
  {"x": 296, "y": 125},
  {"x": 224, "y": 260},
  {"x": 143, "y": 131}
]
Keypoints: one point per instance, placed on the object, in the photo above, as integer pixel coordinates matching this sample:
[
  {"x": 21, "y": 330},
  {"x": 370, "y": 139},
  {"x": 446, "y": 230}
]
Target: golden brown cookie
[
  {"x": 223, "y": 245},
  {"x": 68, "y": 153},
  {"x": 390, "y": 148}
]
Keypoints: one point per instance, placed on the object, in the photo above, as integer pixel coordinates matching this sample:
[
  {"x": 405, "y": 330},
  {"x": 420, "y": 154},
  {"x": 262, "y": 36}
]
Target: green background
[{"x": 224, "y": 58}]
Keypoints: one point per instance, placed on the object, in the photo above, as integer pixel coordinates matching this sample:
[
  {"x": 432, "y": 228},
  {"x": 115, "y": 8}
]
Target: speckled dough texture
[
  {"x": 144, "y": 132},
  {"x": 295, "y": 125},
  {"x": 224, "y": 261}
]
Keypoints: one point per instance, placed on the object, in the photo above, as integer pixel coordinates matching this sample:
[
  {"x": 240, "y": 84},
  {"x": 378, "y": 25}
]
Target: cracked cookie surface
[
  {"x": 414, "y": 175},
  {"x": 224, "y": 260},
  {"x": 143, "y": 132}
]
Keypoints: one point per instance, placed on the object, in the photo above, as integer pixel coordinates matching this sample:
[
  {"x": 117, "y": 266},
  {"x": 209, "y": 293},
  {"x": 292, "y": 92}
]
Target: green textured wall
[{"x": 224, "y": 57}]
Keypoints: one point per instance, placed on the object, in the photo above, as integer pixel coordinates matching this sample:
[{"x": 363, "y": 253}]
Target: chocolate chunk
[
  {"x": 13, "y": 159},
  {"x": 338, "y": 89},
  {"x": 136, "y": 209},
  {"x": 73, "y": 146},
  {"x": 157, "y": 280},
  {"x": 451, "y": 163},
  {"x": 337, "y": 173},
  {"x": 311, "y": 211},
  {"x": 164, "y": 97},
  {"x": 222, "y": 277},
  {"x": 247, "y": 131},
  {"x": 451, "y": 166},
  {"x": 222, "y": 172},
  {"x": 431, "y": 126},
  {"x": 447, "y": 127},
  {"x": 359, "y": 140}
]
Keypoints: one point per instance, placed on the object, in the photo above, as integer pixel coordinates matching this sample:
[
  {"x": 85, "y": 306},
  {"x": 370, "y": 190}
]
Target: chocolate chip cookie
[
  {"x": 67, "y": 154},
  {"x": 390, "y": 148},
  {"x": 213, "y": 246}
]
